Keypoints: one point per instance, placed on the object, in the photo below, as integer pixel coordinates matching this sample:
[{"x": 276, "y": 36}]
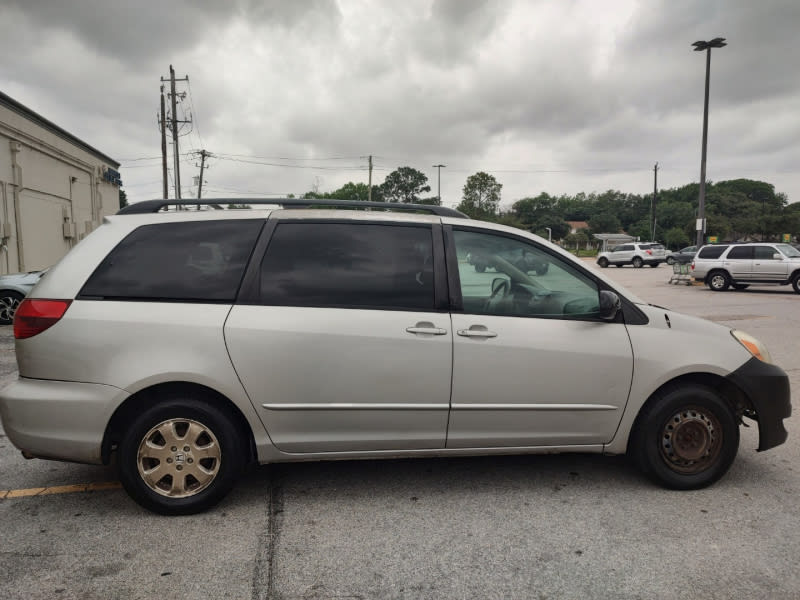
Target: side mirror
[
  {"x": 610, "y": 304},
  {"x": 777, "y": 256}
]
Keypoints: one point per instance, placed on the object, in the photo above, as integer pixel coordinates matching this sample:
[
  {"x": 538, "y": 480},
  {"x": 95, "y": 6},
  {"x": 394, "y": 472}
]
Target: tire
[
  {"x": 686, "y": 437},
  {"x": 193, "y": 480},
  {"x": 670, "y": 261},
  {"x": 9, "y": 301},
  {"x": 718, "y": 281},
  {"x": 603, "y": 262},
  {"x": 637, "y": 262},
  {"x": 796, "y": 282},
  {"x": 480, "y": 268},
  {"x": 741, "y": 286}
]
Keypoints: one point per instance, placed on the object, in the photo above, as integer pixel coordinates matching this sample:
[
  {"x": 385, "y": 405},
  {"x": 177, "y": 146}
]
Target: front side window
[
  {"x": 198, "y": 261},
  {"x": 765, "y": 253},
  {"x": 510, "y": 277},
  {"x": 349, "y": 265}
]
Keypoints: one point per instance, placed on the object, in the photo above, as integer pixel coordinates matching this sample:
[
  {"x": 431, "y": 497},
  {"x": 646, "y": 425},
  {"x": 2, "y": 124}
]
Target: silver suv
[
  {"x": 636, "y": 254},
  {"x": 192, "y": 343},
  {"x": 740, "y": 265}
]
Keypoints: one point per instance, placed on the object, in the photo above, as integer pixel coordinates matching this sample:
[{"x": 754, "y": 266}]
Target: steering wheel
[{"x": 498, "y": 295}]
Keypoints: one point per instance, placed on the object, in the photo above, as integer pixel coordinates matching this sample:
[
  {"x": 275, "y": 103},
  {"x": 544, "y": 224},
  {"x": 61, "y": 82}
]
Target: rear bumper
[
  {"x": 767, "y": 387},
  {"x": 61, "y": 420}
]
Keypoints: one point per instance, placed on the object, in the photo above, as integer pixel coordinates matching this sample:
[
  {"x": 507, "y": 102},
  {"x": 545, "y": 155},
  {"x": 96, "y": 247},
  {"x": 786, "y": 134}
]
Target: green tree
[
  {"x": 676, "y": 238},
  {"x": 123, "y": 198},
  {"x": 605, "y": 222},
  {"x": 404, "y": 185},
  {"x": 481, "y": 196}
]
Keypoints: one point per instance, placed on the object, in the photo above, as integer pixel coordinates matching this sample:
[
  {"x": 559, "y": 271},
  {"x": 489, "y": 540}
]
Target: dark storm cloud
[{"x": 144, "y": 31}]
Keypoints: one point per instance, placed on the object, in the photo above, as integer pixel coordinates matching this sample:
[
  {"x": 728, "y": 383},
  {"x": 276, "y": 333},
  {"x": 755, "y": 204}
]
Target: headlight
[{"x": 752, "y": 345}]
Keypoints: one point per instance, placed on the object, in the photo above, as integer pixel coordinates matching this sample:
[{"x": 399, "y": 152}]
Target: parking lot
[{"x": 561, "y": 526}]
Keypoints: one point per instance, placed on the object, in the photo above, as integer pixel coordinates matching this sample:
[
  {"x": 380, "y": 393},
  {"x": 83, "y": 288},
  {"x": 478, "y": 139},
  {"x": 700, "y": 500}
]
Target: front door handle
[
  {"x": 477, "y": 331},
  {"x": 426, "y": 327}
]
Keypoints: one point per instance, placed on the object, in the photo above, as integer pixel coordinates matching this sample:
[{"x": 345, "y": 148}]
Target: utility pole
[
  {"x": 203, "y": 155},
  {"x": 164, "y": 144},
  {"x": 369, "y": 193},
  {"x": 174, "y": 121},
  {"x": 653, "y": 207},
  {"x": 439, "y": 188}
]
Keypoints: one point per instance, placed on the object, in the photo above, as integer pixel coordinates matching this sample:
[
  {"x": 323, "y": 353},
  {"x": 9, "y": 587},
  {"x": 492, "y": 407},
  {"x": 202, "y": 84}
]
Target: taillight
[{"x": 33, "y": 316}]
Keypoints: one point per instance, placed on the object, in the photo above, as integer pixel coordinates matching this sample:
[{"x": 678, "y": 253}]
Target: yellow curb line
[{"x": 61, "y": 489}]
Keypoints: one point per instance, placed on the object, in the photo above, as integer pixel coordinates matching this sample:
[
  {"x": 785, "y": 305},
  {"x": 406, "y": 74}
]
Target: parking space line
[{"x": 60, "y": 489}]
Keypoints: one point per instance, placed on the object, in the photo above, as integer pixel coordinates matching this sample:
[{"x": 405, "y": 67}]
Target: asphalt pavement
[{"x": 561, "y": 526}]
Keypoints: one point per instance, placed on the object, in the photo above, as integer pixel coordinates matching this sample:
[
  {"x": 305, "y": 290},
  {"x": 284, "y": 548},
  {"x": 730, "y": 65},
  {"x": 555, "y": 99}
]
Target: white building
[{"x": 54, "y": 189}]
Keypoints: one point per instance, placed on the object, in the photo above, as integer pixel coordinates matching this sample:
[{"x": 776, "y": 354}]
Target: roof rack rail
[{"x": 153, "y": 206}]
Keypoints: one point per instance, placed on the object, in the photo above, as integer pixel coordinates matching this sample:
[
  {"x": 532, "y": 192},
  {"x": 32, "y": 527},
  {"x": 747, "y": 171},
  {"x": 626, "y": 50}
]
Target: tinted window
[
  {"x": 741, "y": 253},
  {"x": 510, "y": 277},
  {"x": 711, "y": 251},
  {"x": 765, "y": 252},
  {"x": 349, "y": 265},
  {"x": 196, "y": 261}
]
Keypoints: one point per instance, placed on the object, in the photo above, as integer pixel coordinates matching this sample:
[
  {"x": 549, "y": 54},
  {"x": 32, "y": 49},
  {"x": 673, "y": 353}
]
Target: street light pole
[
  {"x": 549, "y": 234},
  {"x": 701, "y": 215},
  {"x": 439, "y": 188}
]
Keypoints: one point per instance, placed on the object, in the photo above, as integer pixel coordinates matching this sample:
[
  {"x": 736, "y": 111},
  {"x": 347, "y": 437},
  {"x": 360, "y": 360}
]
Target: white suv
[
  {"x": 741, "y": 265},
  {"x": 191, "y": 343},
  {"x": 636, "y": 254}
]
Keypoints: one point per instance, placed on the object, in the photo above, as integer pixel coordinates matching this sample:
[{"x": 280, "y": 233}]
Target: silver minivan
[{"x": 192, "y": 343}]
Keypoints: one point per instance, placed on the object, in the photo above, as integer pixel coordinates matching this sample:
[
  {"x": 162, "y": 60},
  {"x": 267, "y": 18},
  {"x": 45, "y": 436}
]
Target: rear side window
[
  {"x": 200, "y": 261},
  {"x": 711, "y": 251},
  {"x": 349, "y": 265},
  {"x": 741, "y": 253}
]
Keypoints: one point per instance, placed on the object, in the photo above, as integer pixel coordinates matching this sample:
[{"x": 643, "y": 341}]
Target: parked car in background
[
  {"x": 740, "y": 265},
  {"x": 635, "y": 253},
  {"x": 526, "y": 262},
  {"x": 320, "y": 334},
  {"x": 13, "y": 288},
  {"x": 684, "y": 255}
]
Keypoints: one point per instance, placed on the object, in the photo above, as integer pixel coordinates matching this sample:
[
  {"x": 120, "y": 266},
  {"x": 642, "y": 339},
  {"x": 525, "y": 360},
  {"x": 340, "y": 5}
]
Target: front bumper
[
  {"x": 767, "y": 388},
  {"x": 61, "y": 420}
]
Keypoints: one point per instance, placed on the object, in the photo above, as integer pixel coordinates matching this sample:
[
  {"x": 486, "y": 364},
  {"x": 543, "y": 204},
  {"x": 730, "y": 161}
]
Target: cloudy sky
[{"x": 556, "y": 96}]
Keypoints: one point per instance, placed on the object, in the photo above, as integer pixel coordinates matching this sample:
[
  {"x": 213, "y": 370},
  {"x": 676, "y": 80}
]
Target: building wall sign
[{"x": 112, "y": 177}]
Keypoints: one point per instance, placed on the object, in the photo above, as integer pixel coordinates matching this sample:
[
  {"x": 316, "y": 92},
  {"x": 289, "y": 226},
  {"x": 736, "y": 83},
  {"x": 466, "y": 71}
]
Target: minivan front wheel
[
  {"x": 719, "y": 281},
  {"x": 180, "y": 457},
  {"x": 686, "y": 438}
]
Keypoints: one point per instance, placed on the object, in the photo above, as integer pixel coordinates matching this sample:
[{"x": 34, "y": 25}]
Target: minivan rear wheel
[
  {"x": 180, "y": 457},
  {"x": 686, "y": 438}
]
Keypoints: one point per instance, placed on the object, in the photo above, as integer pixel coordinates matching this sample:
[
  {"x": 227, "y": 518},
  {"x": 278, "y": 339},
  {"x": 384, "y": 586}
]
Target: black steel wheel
[
  {"x": 180, "y": 457},
  {"x": 686, "y": 437},
  {"x": 718, "y": 281}
]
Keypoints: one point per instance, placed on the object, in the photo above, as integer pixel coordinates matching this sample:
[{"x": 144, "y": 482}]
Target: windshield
[{"x": 788, "y": 250}]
